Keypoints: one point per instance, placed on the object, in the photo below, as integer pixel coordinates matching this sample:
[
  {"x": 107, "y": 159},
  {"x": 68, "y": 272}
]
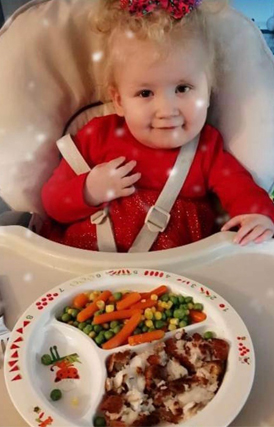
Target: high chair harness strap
[
  {"x": 105, "y": 237},
  {"x": 158, "y": 215}
]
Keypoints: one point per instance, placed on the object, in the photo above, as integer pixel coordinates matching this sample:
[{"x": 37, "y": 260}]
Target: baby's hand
[
  {"x": 108, "y": 181},
  {"x": 253, "y": 228}
]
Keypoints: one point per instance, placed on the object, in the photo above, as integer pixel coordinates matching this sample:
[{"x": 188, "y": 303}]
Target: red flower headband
[{"x": 177, "y": 8}]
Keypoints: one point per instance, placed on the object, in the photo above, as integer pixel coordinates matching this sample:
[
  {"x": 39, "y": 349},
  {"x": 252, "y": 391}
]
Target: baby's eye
[
  {"x": 145, "y": 93},
  {"x": 182, "y": 88}
]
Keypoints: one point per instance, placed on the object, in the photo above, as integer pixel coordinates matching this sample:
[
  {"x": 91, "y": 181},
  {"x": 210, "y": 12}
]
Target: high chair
[{"x": 47, "y": 87}]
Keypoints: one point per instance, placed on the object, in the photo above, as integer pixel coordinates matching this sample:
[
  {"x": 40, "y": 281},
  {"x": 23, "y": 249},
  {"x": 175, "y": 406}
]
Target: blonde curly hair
[{"x": 109, "y": 21}]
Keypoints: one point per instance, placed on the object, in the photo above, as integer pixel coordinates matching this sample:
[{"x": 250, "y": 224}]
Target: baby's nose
[{"x": 166, "y": 108}]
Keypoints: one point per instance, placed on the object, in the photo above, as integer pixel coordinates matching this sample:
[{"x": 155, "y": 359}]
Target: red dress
[{"x": 192, "y": 218}]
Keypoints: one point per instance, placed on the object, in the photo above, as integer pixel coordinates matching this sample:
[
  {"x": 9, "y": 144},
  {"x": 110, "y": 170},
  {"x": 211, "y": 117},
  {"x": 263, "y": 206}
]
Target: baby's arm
[
  {"x": 248, "y": 205},
  {"x": 253, "y": 228},
  {"x": 109, "y": 181}
]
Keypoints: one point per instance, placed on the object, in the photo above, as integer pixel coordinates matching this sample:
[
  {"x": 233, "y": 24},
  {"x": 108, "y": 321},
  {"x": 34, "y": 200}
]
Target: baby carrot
[
  {"x": 157, "y": 291},
  {"x": 80, "y": 300},
  {"x": 93, "y": 307},
  {"x": 143, "y": 305},
  {"x": 146, "y": 337},
  {"x": 114, "y": 315},
  {"x": 125, "y": 332},
  {"x": 131, "y": 299},
  {"x": 197, "y": 316}
]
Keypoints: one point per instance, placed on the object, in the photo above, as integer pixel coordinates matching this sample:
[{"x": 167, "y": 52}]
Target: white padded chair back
[{"x": 46, "y": 53}]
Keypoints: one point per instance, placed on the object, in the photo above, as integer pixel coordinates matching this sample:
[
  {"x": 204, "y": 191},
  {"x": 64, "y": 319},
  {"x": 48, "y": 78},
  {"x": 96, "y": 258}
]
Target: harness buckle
[
  {"x": 157, "y": 219},
  {"x": 98, "y": 217}
]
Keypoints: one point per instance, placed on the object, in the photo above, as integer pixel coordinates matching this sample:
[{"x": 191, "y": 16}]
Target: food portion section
[
  {"x": 131, "y": 317},
  {"x": 167, "y": 382}
]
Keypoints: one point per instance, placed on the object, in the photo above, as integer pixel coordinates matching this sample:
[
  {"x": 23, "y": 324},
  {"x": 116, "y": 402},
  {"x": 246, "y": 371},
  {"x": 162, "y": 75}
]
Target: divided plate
[{"x": 29, "y": 382}]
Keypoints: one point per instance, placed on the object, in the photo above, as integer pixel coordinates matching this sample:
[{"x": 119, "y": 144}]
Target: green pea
[
  {"x": 159, "y": 324},
  {"x": 117, "y": 329},
  {"x": 186, "y": 319},
  {"x": 99, "y": 422},
  {"x": 174, "y": 300},
  {"x": 87, "y": 329},
  {"x": 151, "y": 329},
  {"x": 179, "y": 313},
  {"x": 164, "y": 316},
  {"x": 82, "y": 325},
  {"x": 141, "y": 324},
  {"x": 75, "y": 323},
  {"x": 183, "y": 324},
  {"x": 137, "y": 331},
  {"x": 198, "y": 306},
  {"x": 165, "y": 297},
  {"x": 188, "y": 299},
  {"x": 97, "y": 328},
  {"x": 190, "y": 306},
  {"x": 56, "y": 394},
  {"x": 168, "y": 313},
  {"x": 74, "y": 312},
  {"x": 66, "y": 317},
  {"x": 98, "y": 312},
  {"x": 208, "y": 335},
  {"x": 113, "y": 324},
  {"x": 181, "y": 299},
  {"x": 108, "y": 335},
  {"x": 144, "y": 329},
  {"x": 117, "y": 296},
  {"x": 100, "y": 339},
  {"x": 66, "y": 309},
  {"x": 46, "y": 359}
]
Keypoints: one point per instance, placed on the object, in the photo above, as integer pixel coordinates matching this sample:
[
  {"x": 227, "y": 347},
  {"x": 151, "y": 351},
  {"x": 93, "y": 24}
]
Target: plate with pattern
[{"x": 160, "y": 348}]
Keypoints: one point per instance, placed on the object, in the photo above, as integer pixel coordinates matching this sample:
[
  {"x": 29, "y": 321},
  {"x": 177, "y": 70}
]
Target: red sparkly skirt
[{"x": 191, "y": 220}]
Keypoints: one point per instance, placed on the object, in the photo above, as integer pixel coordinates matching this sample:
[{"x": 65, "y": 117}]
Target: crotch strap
[{"x": 158, "y": 215}]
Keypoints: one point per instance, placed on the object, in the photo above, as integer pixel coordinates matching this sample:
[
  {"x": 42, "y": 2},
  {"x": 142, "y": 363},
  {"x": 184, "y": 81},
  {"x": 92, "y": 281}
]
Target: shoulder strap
[
  {"x": 158, "y": 215},
  {"x": 72, "y": 155},
  {"x": 74, "y": 158}
]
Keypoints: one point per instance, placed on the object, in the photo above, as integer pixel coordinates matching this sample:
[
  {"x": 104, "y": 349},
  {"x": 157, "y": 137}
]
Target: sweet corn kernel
[
  {"x": 153, "y": 309},
  {"x": 160, "y": 304},
  {"x": 169, "y": 304},
  {"x": 149, "y": 315},
  {"x": 75, "y": 401},
  {"x": 158, "y": 315},
  {"x": 93, "y": 295},
  {"x": 149, "y": 323},
  {"x": 154, "y": 297},
  {"x": 109, "y": 308},
  {"x": 174, "y": 321},
  {"x": 172, "y": 327},
  {"x": 100, "y": 304}
]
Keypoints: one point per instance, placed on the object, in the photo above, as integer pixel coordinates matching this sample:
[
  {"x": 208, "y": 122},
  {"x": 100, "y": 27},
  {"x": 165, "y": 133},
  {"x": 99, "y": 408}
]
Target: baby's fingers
[
  {"x": 233, "y": 222},
  {"x": 115, "y": 163},
  {"x": 126, "y": 169},
  {"x": 248, "y": 234},
  {"x": 130, "y": 180},
  {"x": 265, "y": 236},
  {"x": 127, "y": 191}
]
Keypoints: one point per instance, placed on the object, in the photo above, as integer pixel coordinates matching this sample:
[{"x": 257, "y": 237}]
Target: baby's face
[{"x": 164, "y": 101}]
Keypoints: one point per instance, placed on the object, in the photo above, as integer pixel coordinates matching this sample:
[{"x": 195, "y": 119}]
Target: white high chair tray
[
  {"x": 31, "y": 266},
  {"x": 30, "y": 382}
]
